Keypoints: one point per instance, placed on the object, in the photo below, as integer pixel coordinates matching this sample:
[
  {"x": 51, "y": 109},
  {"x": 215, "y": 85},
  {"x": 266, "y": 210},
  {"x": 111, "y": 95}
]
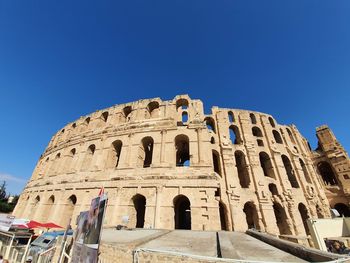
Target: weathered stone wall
[{"x": 261, "y": 174}]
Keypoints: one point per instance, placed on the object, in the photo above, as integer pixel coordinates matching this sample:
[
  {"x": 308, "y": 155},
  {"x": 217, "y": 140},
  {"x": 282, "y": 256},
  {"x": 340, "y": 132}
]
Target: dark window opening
[
  {"x": 235, "y": 135},
  {"x": 216, "y": 162},
  {"x": 242, "y": 169},
  {"x": 290, "y": 135},
  {"x": 281, "y": 219},
  {"x": 223, "y": 216},
  {"x": 273, "y": 189},
  {"x": 182, "y": 207},
  {"x": 327, "y": 173},
  {"x": 139, "y": 202},
  {"x": 210, "y": 124},
  {"x": 231, "y": 117},
  {"x": 260, "y": 142},
  {"x": 272, "y": 123},
  {"x": 182, "y": 148},
  {"x": 252, "y": 118},
  {"x": 266, "y": 165},
  {"x": 147, "y": 151},
  {"x": 127, "y": 111},
  {"x": 212, "y": 140},
  {"x": 182, "y": 103},
  {"x": 304, "y": 216},
  {"x": 184, "y": 117},
  {"x": 116, "y": 150},
  {"x": 277, "y": 137},
  {"x": 251, "y": 215},
  {"x": 153, "y": 109},
  {"x": 290, "y": 172},
  {"x": 105, "y": 116},
  {"x": 257, "y": 132}
]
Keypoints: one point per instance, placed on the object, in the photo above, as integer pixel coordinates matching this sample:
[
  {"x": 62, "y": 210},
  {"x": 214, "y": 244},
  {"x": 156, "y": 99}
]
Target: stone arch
[
  {"x": 326, "y": 171},
  {"x": 266, "y": 165},
  {"x": 182, "y": 148},
  {"x": 104, "y": 116},
  {"x": 343, "y": 209},
  {"x": 139, "y": 203},
  {"x": 216, "y": 162},
  {"x": 251, "y": 214},
  {"x": 242, "y": 169},
  {"x": 153, "y": 109},
  {"x": 223, "y": 216},
  {"x": 146, "y": 152},
  {"x": 304, "y": 214},
  {"x": 114, "y": 154},
  {"x": 277, "y": 136},
  {"x": 305, "y": 171},
  {"x": 231, "y": 117},
  {"x": 182, "y": 212},
  {"x": 182, "y": 103},
  {"x": 257, "y": 132},
  {"x": 89, "y": 157},
  {"x": 272, "y": 123},
  {"x": 281, "y": 219},
  {"x": 235, "y": 135},
  {"x": 291, "y": 137},
  {"x": 290, "y": 172},
  {"x": 184, "y": 117},
  {"x": 210, "y": 123},
  {"x": 252, "y": 118},
  {"x": 273, "y": 189},
  {"x": 127, "y": 113}
]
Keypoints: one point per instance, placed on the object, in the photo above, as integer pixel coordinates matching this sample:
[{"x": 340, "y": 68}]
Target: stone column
[{"x": 159, "y": 192}]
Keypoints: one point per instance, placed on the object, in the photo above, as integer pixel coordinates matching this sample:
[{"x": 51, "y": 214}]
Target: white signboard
[{"x": 6, "y": 222}]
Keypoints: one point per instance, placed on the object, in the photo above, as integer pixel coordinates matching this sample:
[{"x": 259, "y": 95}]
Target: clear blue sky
[{"x": 63, "y": 59}]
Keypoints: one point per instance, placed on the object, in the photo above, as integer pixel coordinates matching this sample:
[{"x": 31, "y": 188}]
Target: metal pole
[
  {"x": 9, "y": 247},
  {"x": 26, "y": 250},
  {"x": 64, "y": 240}
]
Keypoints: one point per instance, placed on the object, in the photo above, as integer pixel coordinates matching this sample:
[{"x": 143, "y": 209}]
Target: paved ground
[{"x": 233, "y": 245}]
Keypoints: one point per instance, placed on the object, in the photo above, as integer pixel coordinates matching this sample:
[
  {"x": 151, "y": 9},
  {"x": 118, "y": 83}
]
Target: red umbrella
[
  {"x": 51, "y": 225},
  {"x": 34, "y": 224}
]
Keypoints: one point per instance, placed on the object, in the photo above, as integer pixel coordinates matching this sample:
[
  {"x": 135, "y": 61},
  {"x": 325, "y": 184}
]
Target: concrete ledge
[{"x": 308, "y": 254}]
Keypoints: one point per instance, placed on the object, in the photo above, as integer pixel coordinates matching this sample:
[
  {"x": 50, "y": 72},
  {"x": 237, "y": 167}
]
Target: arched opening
[
  {"x": 212, "y": 140},
  {"x": 242, "y": 169},
  {"x": 304, "y": 216},
  {"x": 74, "y": 125},
  {"x": 277, "y": 137},
  {"x": 182, "y": 209},
  {"x": 182, "y": 103},
  {"x": 290, "y": 136},
  {"x": 251, "y": 214},
  {"x": 281, "y": 219},
  {"x": 104, "y": 116},
  {"x": 327, "y": 173},
  {"x": 146, "y": 151},
  {"x": 290, "y": 172},
  {"x": 235, "y": 135},
  {"x": 252, "y": 118},
  {"x": 114, "y": 154},
  {"x": 209, "y": 122},
  {"x": 127, "y": 113},
  {"x": 257, "y": 132},
  {"x": 231, "y": 117},
  {"x": 305, "y": 171},
  {"x": 89, "y": 157},
  {"x": 272, "y": 123},
  {"x": 266, "y": 165},
  {"x": 139, "y": 202},
  {"x": 273, "y": 189},
  {"x": 343, "y": 209},
  {"x": 153, "y": 109},
  {"x": 182, "y": 148},
  {"x": 223, "y": 216},
  {"x": 87, "y": 120},
  {"x": 184, "y": 117},
  {"x": 216, "y": 162}
]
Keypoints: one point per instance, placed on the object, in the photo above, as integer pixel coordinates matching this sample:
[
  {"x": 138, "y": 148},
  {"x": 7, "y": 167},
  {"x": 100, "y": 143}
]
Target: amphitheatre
[{"x": 168, "y": 165}]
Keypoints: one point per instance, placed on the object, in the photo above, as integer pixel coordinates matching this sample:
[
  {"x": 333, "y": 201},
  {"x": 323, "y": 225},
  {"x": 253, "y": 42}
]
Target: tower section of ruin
[{"x": 167, "y": 164}]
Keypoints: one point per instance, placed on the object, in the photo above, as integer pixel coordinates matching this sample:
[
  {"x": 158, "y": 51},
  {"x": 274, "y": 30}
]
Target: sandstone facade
[{"x": 166, "y": 164}]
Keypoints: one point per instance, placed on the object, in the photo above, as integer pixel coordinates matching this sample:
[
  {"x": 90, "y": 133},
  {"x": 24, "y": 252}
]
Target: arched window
[
  {"x": 257, "y": 132},
  {"x": 104, "y": 116},
  {"x": 87, "y": 120},
  {"x": 304, "y": 216},
  {"x": 231, "y": 117},
  {"x": 290, "y": 135},
  {"x": 216, "y": 162},
  {"x": 343, "y": 209},
  {"x": 290, "y": 172},
  {"x": 184, "y": 117},
  {"x": 272, "y": 123},
  {"x": 281, "y": 219},
  {"x": 305, "y": 171},
  {"x": 223, "y": 216},
  {"x": 182, "y": 103},
  {"x": 235, "y": 135},
  {"x": 277, "y": 136},
  {"x": 327, "y": 173},
  {"x": 210, "y": 124},
  {"x": 153, "y": 109},
  {"x": 212, "y": 140},
  {"x": 89, "y": 157},
  {"x": 62, "y": 131},
  {"x": 139, "y": 202},
  {"x": 251, "y": 215},
  {"x": 266, "y": 165},
  {"x": 74, "y": 125},
  {"x": 242, "y": 169},
  {"x": 114, "y": 154},
  {"x": 252, "y": 118},
  {"x": 273, "y": 189},
  {"x": 146, "y": 151},
  {"x": 126, "y": 112},
  {"x": 182, "y": 211},
  {"x": 182, "y": 148}
]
